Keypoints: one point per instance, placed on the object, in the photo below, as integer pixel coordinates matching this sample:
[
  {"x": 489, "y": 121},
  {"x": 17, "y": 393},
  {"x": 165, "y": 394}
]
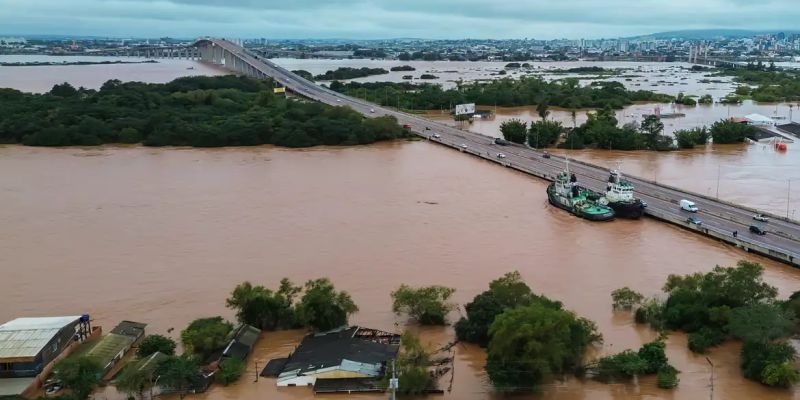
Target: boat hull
[
  {"x": 559, "y": 202},
  {"x": 628, "y": 210}
]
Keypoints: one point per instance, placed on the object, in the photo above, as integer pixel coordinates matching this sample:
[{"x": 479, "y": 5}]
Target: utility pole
[
  {"x": 394, "y": 382},
  {"x": 718, "y": 169},
  {"x": 711, "y": 394},
  {"x": 788, "y": 197}
]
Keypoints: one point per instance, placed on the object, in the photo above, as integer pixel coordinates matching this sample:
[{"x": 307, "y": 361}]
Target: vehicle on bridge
[
  {"x": 546, "y": 155},
  {"x": 757, "y": 230},
  {"x": 502, "y": 142},
  {"x": 687, "y": 205},
  {"x": 694, "y": 221},
  {"x": 436, "y": 135},
  {"x": 761, "y": 217},
  {"x": 501, "y": 155},
  {"x": 406, "y": 126}
]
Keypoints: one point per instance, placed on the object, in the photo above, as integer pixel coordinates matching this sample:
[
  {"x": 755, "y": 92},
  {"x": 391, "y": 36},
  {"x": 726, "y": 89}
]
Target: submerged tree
[
  {"x": 429, "y": 305},
  {"x": 322, "y": 307}
]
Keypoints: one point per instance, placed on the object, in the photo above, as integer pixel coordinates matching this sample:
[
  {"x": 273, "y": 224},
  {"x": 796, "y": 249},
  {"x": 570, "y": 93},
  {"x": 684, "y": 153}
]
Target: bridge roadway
[{"x": 720, "y": 219}]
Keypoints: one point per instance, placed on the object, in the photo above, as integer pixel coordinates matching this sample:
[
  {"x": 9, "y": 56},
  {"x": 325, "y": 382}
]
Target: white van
[{"x": 688, "y": 206}]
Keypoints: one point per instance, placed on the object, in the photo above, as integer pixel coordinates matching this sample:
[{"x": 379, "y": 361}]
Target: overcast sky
[{"x": 374, "y": 19}]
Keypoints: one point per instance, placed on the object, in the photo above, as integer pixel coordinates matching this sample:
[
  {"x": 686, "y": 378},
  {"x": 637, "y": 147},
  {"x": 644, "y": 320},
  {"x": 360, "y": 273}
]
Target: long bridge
[{"x": 720, "y": 218}]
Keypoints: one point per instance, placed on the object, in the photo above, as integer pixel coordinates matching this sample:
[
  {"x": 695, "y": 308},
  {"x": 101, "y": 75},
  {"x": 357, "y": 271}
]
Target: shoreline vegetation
[
  {"x": 194, "y": 111},
  {"x": 530, "y": 339},
  {"x": 53, "y": 63}
]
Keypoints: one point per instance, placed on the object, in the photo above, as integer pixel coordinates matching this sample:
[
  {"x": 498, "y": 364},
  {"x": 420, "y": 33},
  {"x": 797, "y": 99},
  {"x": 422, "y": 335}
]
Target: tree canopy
[
  {"x": 204, "y": 336},
  {"x": 429, "y": 305},
  {"x": 263, "y": 308},
  {"x": 530, "y": 344},
  {"x": 79, "y": 374},
  {"x": 192, "y": 111},
  {"x": 179, "y": 373},
  {"x": 506, "y": 292},
  {"x": 322, "y": 307},
  {"x": 155, "y": 343}
]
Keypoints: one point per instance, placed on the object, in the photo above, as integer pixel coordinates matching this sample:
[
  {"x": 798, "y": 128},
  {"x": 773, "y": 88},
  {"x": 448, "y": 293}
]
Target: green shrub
[
  {"x": 230, "y": 370},
  {"x": 667, "y": 377}
]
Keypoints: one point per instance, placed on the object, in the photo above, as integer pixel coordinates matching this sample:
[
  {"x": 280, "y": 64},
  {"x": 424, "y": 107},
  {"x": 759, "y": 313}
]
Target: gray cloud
[{"x": 389, "y": 18}]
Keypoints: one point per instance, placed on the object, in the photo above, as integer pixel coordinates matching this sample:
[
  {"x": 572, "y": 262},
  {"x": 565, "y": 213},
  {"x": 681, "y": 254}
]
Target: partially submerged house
[
  {"x": 242, "y": 343},
  {"x": 340, "y": 360},
  {"x": 29, "y": 346}
]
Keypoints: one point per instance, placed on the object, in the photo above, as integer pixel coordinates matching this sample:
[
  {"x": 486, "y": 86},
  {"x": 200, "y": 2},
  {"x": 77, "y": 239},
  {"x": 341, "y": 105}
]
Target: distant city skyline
[{"x": 384, "y": 19}]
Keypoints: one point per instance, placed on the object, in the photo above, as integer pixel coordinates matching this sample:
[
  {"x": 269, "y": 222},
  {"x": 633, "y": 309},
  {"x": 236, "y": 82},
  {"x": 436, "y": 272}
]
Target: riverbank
[{"x": 66, "y": 63}]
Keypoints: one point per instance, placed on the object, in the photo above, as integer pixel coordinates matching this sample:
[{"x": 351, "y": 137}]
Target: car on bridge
[
  {"x": 757, "y": 230},
  {"x": 501, "y": 155},
  {"x": 463, "y": 145},
  {"x": 687, "y": 205},
  {"x": 546, "y": 155},
  {"x": 761, "y": 217},
  {"x": 436, "y": 135},
  {"x": 694, "y": 221}
]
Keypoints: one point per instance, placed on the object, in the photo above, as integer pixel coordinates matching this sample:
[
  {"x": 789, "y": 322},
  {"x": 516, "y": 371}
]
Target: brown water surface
[{"x": 163, "y": 235}]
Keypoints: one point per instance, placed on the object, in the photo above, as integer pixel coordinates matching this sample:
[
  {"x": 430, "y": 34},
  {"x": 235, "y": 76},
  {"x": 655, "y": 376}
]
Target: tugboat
[
  {"x": 619, "y": 195},
  {"x": 565, "y": 193}
]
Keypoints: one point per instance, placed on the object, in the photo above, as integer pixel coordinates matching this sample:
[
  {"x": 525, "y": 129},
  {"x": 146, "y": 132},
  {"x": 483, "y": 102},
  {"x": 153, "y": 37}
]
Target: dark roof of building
[
  {"x": 274, "y": 367},
  {"x": 347, "y": 385},
  {"x": 763, "y": 133},
  {"x": 330, "y": 349},
  {"x": 130, "y": 328},
  {"x": 791, "y": 127},
  {"x": 242, "y": 343}
]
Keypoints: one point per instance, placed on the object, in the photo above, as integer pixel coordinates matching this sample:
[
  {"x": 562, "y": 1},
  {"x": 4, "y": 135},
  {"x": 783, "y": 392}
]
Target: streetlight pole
[
  {"x": 788, "y": 197},
  {"x": 718, "y": 171}
]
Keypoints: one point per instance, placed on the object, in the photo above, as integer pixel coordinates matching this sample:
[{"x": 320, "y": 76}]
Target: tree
[
  {"x": 728, "y": 131},
  {"x": 134, "y": 381},
  {"x": 760, "y": 323},
  {"x": 412, "y": 366},
  {"x": 155, "y": 343},
  {"x": 758, "y": 356},
  {"x": 508, "y": 291},
  {"x": 544, "y": 133},
  {"x": 263, "y": 308},
  {"x": 323, "y": 308},
  {"x": 626, "y": 298},
  {"x": 624, "y": 365},
  {"x": 179, "y": 373},
  {"x": 542, "y": 109},
  {"x": 687, "y": 139},
  {"x": 428, "y": 305},
  {"x": 79, "y": 374},
  {"x": 514, "y": 130},
  {"x": 64, "y": 90},
  {"x": 654, "y": 356},
  {"x": 651, "y": 128},
  {"x": 230, "y": 370},
  {"x": 667, "y": 377},
  {"x": 530, "y": 344},
  {"x": 204, "y": 336},
  {"x": 780, "y": 375}
]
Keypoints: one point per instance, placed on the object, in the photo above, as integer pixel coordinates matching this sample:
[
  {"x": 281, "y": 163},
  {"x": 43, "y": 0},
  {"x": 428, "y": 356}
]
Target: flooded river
[{"x": 163, "y": 235}]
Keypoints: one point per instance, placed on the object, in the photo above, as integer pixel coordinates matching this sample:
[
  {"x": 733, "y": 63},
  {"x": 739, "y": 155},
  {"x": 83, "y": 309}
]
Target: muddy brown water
[{"x": 163, "y": 235}]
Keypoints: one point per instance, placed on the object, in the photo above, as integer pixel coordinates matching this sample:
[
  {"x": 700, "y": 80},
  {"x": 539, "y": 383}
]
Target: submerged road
[{"x": 719, "y": 218}]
